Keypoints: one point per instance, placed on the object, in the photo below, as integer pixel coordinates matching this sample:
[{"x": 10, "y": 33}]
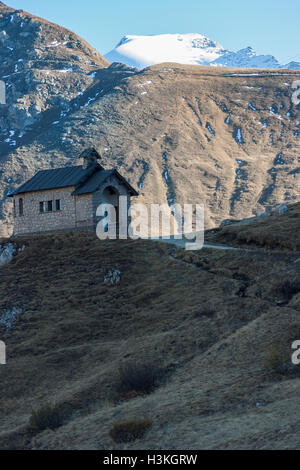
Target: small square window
[{"x": 58, "y": 204}]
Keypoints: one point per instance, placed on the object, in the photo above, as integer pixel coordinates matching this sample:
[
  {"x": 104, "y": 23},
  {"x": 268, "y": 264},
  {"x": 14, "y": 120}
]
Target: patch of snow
[
  {"x": 9, "y": 317},
  {"x": 113, "y": 277},
  {"x": 54, "y": 44},
  {"x": 69, "y": 70},
  {"x": 89, "y": 101},
  {"x": 144, "y": 84},
  {"x": 281, "y": 209},
  {"x": 279, "y": 160},
  {"x": 250, "y": 106},
  {"x": 208, "y": 126},
  {"x": 6, "y": 253},
  {"x": 239, "y": 136}
]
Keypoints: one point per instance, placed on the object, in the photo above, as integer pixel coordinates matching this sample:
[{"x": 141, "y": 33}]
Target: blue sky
[{"x": 269, "y": 26}]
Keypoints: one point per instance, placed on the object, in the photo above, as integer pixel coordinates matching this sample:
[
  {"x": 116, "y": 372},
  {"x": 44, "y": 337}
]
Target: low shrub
[
  {"x": 130, "y": 430},
  {"x": 205, "y": 312},
  {"x": 286, "y": 288},
  {"x": 277, "y": 362},
  {"x": 138, "y": 378},
  {"x": 48, "y": 417}
]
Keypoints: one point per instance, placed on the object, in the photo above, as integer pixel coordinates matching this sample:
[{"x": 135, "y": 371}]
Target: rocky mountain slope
[
  {"x": 44, "y": 67},
  {"x": 228, "y": 138},
  {"x": 220, "y": 325},
  {"x": 191, "y": 49}
]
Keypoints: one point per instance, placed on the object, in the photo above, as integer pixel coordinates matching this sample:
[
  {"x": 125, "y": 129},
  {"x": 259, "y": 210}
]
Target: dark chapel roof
[{"x": 85, "y": 180}]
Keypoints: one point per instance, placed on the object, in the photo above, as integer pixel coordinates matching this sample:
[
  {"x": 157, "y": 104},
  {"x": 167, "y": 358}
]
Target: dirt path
[{"x": 193, "y": 246}]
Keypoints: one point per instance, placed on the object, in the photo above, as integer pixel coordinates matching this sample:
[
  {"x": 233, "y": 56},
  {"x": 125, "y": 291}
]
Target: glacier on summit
[
  {"x": 142, "y": 51},
  {"x": 192, "y": 49}
]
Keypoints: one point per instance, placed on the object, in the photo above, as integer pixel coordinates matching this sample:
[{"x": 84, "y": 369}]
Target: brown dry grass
[
  {"x": 276, "y": 231},
  {"x": 131, "y": 430},
  {"x": 209, "y": 324}
]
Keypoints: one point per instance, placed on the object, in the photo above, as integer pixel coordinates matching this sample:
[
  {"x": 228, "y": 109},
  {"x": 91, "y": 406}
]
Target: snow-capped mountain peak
[
  {"x": 248, "y": 51},
  {"x": 192, "y": 49},
  {"x": 247, "y": 58},
  {"x": 142, "y": 51},
  {"x": 292, "y": 65}
]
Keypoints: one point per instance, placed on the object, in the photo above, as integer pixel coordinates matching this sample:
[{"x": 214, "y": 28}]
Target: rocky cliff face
[{"x": 228, "y": 138}]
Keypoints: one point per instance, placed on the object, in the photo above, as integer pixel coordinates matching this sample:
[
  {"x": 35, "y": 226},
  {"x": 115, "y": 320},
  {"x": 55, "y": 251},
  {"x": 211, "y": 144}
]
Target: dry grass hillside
[
  {"x": 275, "y": 231},
  {"x": 218, "y": 324}
]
